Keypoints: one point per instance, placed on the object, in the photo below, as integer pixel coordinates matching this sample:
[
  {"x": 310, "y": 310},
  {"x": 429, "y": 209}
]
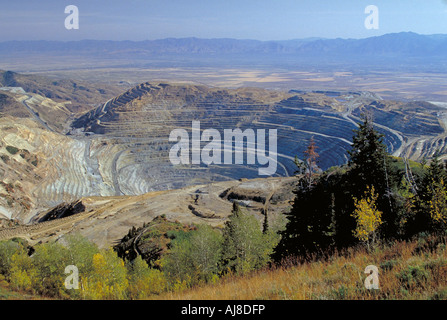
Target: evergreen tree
[
  {"x": 321, "y": 215},
  {"x": 310, "y": 225},
  {"x": 370, "y": 165},
  {"x": 430, "y": 203},
  {"x": 368, "y": 158}
]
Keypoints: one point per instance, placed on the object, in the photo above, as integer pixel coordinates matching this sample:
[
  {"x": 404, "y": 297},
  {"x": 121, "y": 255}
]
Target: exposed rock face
[
  {"x": 257, "y": 192},
  {"x": 63, "y": 210},
  {"x": 41, "y": 169}
]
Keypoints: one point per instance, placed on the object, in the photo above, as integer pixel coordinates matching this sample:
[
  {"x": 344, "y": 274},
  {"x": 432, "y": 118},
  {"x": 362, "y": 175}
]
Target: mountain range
[{"x": 388, "y": 47}]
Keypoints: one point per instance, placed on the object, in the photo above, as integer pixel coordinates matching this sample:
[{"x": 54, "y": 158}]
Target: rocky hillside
[
  {"x": 105, "y": 220},
  {"x": 77, "y": 96}
]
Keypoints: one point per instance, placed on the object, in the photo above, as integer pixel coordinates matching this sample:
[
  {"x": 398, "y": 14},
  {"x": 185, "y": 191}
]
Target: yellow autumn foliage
[
  {"x": 22, "y": 273},
  {"x": 438, "y": 202},
  {"x": 108, "y": 280},
  {"x": 367, "y": 216}
]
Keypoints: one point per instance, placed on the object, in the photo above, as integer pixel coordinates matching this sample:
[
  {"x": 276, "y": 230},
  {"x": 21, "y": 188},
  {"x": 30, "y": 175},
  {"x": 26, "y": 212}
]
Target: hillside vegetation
[
  {"x": 410, "y": 270},
  {"x": 407, "y": 271}
]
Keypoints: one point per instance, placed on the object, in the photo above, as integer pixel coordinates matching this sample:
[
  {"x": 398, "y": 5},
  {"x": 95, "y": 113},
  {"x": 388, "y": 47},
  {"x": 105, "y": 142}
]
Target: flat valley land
[{"x": 398, "y": 84}]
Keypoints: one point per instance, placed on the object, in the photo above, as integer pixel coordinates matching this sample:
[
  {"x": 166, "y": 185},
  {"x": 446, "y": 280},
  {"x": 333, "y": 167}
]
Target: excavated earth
[
  {"x": 105, "y": 220},
  {"x": 108, "y": 169}
]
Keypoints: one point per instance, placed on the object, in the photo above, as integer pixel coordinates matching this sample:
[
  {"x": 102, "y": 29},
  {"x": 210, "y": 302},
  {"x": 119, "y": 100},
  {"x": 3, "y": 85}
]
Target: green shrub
[
  {"x": 80, "y": 252},
  {"x": 388, "y": 265},
  {"x": 341, "y": 293},
  {"x": 178, "y": 235},
  {"x": 413, "y": 277},
  {"x": 23, "y": 275},
  {"x": 50, "y": 260},
  {"x": 144, "y": 281},
  {"x": 7, "y": 250},
  {"x": 245, "y": 246},
  {"x": 195, "y": 257},
  {"x": 108, "y": 278}
]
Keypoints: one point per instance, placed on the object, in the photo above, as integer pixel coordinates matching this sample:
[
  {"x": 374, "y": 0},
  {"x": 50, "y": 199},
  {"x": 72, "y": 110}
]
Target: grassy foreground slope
[{"x": 407, "y": 271}]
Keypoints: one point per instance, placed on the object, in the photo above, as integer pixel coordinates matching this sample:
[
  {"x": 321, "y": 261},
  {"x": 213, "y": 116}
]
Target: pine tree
[
  {"x": 321, "y": 216},
  {"x": 368, "y": 158},
  {"x": 309, "y": 229},
  {"x": 370, "y": 166}
]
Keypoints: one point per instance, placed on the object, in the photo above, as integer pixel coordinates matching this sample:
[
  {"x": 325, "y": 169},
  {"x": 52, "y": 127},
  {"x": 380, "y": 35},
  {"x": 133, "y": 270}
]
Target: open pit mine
[{"x": 105, "y": 167}]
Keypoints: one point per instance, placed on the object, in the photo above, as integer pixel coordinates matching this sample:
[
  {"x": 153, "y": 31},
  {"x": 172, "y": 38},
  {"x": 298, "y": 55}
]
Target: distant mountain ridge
[{"x": 402, "y": 44}]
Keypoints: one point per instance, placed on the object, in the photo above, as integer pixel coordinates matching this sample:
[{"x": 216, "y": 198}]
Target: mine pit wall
[{"x": 139, "y": 163}]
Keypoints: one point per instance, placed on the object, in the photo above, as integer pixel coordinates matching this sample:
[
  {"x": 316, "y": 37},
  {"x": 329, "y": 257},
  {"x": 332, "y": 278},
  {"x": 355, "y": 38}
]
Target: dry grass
[{"x": 406, "y": 271}]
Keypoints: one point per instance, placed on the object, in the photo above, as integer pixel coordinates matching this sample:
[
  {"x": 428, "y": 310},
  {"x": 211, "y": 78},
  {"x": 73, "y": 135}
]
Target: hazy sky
[{"x": 240, "y": 19}]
